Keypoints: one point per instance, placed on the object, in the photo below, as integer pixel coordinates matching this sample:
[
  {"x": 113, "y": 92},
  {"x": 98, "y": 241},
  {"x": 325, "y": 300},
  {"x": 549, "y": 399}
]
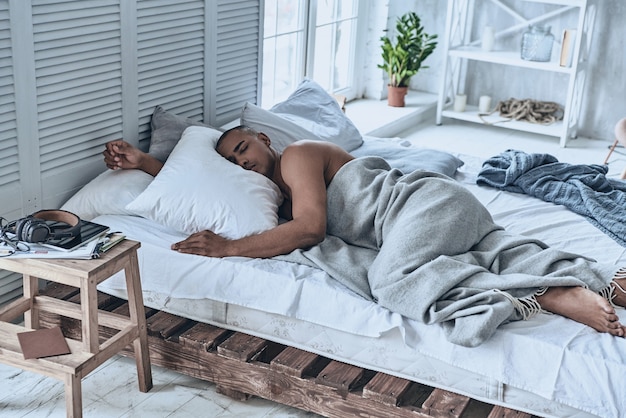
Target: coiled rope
[{"x": 528, "y": 110}]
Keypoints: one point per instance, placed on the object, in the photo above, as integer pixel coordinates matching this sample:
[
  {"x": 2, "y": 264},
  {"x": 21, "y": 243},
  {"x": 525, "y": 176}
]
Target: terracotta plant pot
[{"x": 395, "y": 96}]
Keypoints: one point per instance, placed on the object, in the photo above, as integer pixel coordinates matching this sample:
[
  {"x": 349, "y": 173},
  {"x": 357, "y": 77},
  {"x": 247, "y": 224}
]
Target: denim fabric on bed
[{"x": 584, "y": 189}]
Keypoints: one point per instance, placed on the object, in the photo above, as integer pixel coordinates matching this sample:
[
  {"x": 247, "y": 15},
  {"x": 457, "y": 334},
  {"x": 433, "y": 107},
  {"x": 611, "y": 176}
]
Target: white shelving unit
[{"x": 459, "y": 49}]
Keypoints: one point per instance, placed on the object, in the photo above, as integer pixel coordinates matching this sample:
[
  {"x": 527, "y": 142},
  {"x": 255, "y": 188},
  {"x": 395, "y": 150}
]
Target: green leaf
[{"x": 403, "y": 57}]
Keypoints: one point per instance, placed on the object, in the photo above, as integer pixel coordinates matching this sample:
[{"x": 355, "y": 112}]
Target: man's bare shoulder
[
  {"x": 310, "y": 143},
  {"x": 319, "y": 155},
  {"x": 314, "y": 148}
]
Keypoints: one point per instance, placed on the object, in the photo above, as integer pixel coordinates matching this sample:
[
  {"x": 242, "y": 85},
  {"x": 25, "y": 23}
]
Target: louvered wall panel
[
  {"x": 98, "y": 65},
  {"x": 237, "y": 60},
  {"x": 79, "y": 86},
  {"x": 170, "y": 55},
  {"x": 10, "y": 189},
  {"x": 10, "y": 286}
]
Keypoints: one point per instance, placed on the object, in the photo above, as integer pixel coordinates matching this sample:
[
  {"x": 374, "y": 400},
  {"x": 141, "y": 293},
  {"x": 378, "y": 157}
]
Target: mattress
[{"x": 548, "y": 365}]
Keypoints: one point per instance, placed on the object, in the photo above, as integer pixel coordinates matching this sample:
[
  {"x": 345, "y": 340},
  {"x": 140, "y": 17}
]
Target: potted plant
[{"x": 403, "y": 58}]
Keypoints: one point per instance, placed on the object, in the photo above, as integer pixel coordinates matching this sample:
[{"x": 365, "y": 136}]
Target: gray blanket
[
  {"x": 583, "y": 189},
  {"x": 421, "y": 245}
]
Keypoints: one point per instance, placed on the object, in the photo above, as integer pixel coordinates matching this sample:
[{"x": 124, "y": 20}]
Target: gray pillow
[
  {"x": 167, "y": 128},
  {"x": 408, "y": 159}
]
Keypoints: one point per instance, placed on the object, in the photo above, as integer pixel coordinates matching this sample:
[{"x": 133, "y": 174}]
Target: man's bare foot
[{"x": 584, "y": 306}]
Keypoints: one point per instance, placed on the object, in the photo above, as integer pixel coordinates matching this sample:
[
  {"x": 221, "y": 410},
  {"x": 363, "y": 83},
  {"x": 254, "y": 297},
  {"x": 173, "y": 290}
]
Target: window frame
[{"x": 356, "y": 70}]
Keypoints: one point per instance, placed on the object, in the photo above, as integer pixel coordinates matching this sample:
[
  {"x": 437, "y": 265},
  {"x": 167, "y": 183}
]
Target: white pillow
[
  {"x": 108, "y": 194},
  {"x": 308, "y": 113},
  {"x": 280, "y": 131},
  {"x": 198, "y": 189}
]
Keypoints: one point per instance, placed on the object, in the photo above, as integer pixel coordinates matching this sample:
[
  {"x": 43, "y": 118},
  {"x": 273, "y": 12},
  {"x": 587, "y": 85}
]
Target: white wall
[
  {"x": 374, "y": 85},
  {"x": 604, "y": 100}
]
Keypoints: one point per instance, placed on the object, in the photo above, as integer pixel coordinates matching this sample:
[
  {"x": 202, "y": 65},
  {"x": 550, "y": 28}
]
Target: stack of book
[
  {"x": 93, "y": 240},
  {"x": 568, "y": 42},
  {"x": 107, "y": 242}
]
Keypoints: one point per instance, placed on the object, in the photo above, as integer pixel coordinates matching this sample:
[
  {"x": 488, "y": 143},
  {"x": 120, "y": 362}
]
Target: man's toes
[
  {"x": 613, "y": 318},
  {"x": 614, "y": 325},
  {"x": 616, "y": 328}
]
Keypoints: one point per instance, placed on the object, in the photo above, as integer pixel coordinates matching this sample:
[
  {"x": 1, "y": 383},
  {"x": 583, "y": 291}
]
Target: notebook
[
  {"x": 111, "y": 240},
  {"x": 89, "y": 231},
  {"x": 43, "y": 342}
]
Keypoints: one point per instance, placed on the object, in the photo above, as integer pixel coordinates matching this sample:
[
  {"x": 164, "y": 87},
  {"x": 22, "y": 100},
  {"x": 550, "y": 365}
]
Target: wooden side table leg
[
  {"x": 89, "y": 308},
  {"x": 31, "y": 289},
  {"x": 137, "y": 316},
  {"x": 606, "y": 160},
  {"x": 73, "y": 396}
]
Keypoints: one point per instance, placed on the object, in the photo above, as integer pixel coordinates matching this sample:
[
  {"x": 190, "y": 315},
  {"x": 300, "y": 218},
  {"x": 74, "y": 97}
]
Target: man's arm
[
  {"x": 282, "y": 239},
  {"x": 120, "y": 154},
  {"x": 303, "y": 169}
]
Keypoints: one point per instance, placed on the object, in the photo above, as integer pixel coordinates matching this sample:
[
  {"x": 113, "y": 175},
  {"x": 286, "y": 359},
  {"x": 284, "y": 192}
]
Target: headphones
[{"x": 35, "y": 228}]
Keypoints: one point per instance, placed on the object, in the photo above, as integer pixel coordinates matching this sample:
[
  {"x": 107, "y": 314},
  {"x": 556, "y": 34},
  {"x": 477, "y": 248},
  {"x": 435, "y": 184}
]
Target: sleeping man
[{"x": 419, "y": 244}]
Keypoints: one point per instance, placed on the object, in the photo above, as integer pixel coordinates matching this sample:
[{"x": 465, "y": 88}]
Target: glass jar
[{"x": 537, "y": 43}]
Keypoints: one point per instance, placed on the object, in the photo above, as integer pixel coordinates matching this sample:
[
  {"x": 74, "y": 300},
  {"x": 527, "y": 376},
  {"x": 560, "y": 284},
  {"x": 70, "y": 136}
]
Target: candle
[
  {"x": 488, "y": 38},
  {"x": 484, "y": 104},
  {"x": 460, "y": 100}
]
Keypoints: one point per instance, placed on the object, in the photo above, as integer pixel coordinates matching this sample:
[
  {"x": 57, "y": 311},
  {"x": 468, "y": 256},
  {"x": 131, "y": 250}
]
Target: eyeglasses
[{"x": 8, "y": 244}]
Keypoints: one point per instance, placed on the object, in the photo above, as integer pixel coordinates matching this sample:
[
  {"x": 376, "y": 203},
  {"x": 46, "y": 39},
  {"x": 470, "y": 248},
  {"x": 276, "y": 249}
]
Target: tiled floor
[{"x": 111, "y": 390}]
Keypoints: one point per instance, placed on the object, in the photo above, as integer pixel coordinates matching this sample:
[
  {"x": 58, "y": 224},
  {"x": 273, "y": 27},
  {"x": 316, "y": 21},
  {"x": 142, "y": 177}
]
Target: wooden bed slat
[
  {"x": 242, "y": 366},
  {"x": 203, "y": 337},
  {"x": 105, "y": 302},
  {"x": 124, "y": 310},
  {"x": 60, "y": 291},
  {"x": 294, "y": 362},
  {"x": 340, "y": 376},
  {"x": 242, "y": 347},
  {"x": 165, "y": 324},
  {"x": 502, "y": 412},
  {"x": 447, "y": 403},
  {"x": 386, "y": 389}
]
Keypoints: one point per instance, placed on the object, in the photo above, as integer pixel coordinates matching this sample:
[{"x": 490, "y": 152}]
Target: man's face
[{"x": 252, "y": 152}]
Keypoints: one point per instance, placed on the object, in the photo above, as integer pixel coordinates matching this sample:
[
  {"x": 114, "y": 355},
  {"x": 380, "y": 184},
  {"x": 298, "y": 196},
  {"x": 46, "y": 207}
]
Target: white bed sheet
[{"x": 547, "y": 356}]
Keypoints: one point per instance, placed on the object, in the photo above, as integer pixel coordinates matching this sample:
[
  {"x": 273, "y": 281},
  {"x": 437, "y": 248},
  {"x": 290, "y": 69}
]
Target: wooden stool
[{"x": 89, "y": 354}]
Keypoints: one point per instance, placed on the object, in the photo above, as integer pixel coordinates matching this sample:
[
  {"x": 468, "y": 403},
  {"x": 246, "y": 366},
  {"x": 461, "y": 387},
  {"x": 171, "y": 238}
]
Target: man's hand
[
  {"x": 204, "y": 243},
  {"x": 120, "y": 154}
]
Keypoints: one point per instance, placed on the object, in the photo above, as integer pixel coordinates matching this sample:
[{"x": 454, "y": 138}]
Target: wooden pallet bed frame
[{"x": 241, "y": 366}]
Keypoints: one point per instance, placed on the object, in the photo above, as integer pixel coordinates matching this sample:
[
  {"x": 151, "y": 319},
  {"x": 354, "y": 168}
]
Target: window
[{"x": 309, "y": 38}]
